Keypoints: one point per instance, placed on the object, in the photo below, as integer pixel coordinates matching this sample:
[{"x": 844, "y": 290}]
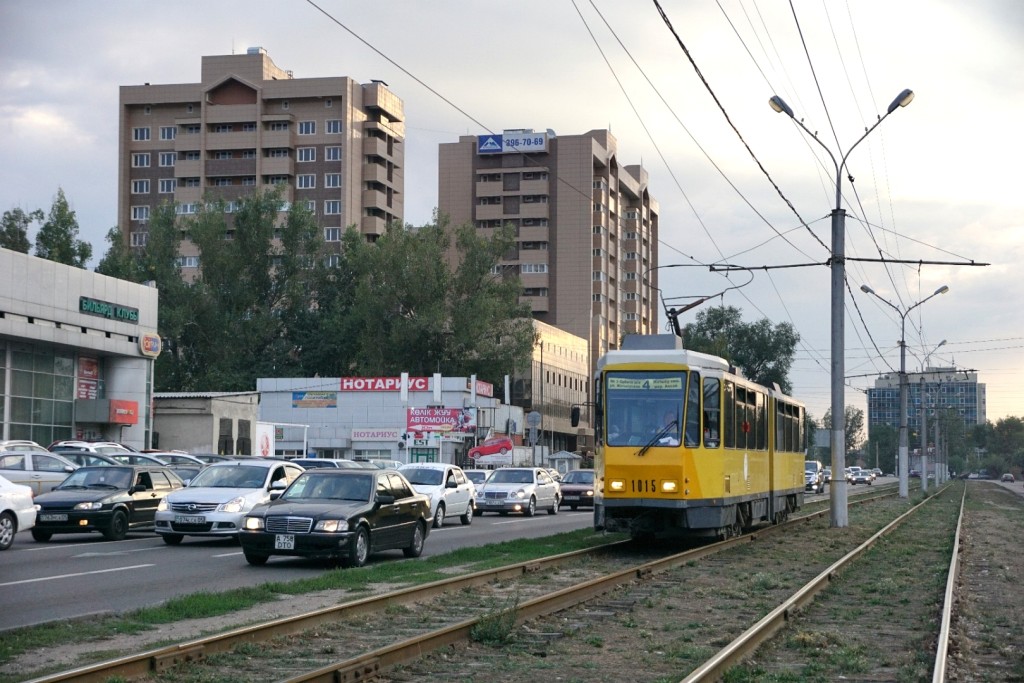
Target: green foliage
[
  {"x": 58, "y": 239},
  {"x": 883, "y": 442},
  {"x": 497, "y": 628},
  {"x": 14, "y": 229},
  {"x": 764, "y": 351},
  {"x": 853, "y": 425}
]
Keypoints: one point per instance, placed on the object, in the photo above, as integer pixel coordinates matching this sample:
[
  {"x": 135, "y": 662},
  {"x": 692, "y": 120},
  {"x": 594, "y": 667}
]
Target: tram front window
[{"x": 644, "y": 407}]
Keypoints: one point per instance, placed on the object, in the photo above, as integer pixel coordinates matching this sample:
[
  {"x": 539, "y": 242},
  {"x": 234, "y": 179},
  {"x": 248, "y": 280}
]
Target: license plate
[
  {"x": 284, "y": 542},
  {"x": 189, "y": 519},
  {"x": 53, "y": 517},
  {"x": 572, "y": 498}
]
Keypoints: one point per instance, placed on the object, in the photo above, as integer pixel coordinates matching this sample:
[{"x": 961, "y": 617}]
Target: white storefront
[{"x": 383, "y": 418}]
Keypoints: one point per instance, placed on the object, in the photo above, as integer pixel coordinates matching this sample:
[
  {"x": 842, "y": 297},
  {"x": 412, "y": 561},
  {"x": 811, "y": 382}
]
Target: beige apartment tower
[
  {"x": 587, "y": 226},
  {"x": 335, "y": 144}
]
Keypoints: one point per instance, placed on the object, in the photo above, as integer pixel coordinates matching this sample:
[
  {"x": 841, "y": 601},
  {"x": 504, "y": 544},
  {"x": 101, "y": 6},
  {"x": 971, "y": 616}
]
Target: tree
[
  {"x": 765, "y": 352},
  {"x": 119, "y": 261},
  {"x": 14, "y": 233},
  {"x": 882, "y": 446},
  {"x": 58, "y": 239},
  {"x": 853, "y": 419}
]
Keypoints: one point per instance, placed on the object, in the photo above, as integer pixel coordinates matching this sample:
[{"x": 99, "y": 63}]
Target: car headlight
[
  {"x": 233, "y": 505},
  {"x": 521, "y": 493},
  {"x": 331, "y": 525},
  {"x": 253, "y": 523},
  {"x": 89, "y": 506},
  {"x": 162, "y": 505}
]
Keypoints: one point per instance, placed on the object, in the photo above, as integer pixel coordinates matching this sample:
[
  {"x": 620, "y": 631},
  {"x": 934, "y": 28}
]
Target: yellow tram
[{"x": 688, "y": 446}]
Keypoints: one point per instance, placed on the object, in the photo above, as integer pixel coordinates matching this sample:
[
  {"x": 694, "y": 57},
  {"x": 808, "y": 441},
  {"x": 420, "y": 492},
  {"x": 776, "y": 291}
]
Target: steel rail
[
  {"x": 161, "y": 659},
  {"x": 747, "y": 643},
  {"x": 942, "y": 646}
]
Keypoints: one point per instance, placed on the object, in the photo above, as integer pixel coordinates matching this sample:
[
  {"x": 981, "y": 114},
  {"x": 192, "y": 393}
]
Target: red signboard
[
  {"x": 124, "y": 412},
  {"x": 383, "y": 384},
  {"x": 457, "y": 420}
]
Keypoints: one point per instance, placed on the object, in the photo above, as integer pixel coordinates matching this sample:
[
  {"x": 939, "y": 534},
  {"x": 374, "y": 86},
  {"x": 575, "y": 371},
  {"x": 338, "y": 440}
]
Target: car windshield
[
  {"x": 315, "y": 485},
  {"x": 105, "y": 477},
  {"x": 511, "y": 477},
  {"x": 230, "y": 476},
  {"x": 578, "y": 477},
  {"x": 476, "y": 477},
  {"x": 423, "y": 476}
]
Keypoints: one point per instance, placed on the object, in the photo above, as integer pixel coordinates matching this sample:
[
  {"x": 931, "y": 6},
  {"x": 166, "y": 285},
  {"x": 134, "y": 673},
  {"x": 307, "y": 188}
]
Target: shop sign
[
  {"x": 383, "y": 384},
  {"x": 314, "y": 399},
  {"x": 150, "y": 344},
  {"x": 106, "y": 309},
  {"x": 370, "y": 434},
  {"x": 451, "y": 420},
  {"x": 123, "y": 412}
]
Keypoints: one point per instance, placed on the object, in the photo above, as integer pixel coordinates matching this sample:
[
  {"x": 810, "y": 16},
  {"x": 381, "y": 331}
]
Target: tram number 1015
[{"x": 644, "y": 485}]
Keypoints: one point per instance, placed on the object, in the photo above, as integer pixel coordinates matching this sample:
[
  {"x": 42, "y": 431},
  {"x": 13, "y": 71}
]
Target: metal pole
[
  {"x": 839, "y": 516},
  {"x": 904, "y": 464},
  {"x": 937, "y": 450},
  {"x": 924, "y": 432}
]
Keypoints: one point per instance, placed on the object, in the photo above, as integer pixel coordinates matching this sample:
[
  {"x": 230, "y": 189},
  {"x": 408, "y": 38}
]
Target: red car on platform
[{"x": 499, "y": 444}]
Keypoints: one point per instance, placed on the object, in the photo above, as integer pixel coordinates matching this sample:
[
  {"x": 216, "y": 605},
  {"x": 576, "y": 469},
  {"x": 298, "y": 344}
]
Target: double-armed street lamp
[
  {"x": 837, "y": 489},
  {"x": 904, "y": 463}
]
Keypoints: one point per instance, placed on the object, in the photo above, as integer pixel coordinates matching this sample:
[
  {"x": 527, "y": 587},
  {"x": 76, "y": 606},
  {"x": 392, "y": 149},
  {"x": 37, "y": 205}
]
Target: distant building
[
  {"x": 336, "y": 145},
  {"x": 938, "y": 389},
  {"x": 221, "y": 422}
]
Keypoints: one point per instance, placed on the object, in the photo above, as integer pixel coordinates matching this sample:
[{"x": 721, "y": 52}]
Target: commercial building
[
  {"x": 937, "y": 389},
  {"x": 586, "y": 230},
  {"x": 77, "y": 351},
  {"x": 336, "y": 145},
  {"x": 222, "y": 422}
]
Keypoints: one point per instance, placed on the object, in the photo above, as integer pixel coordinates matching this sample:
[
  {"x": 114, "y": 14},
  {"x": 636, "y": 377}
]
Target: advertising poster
[{"x": 449, "y": 420}]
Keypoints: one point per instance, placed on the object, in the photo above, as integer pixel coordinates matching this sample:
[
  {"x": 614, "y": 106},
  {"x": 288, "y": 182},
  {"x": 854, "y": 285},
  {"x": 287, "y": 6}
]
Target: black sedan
[
  {"x": 578, "y": 488},
  {"x": 338, "y": 514},
  {"x": 111, "y": 499}
]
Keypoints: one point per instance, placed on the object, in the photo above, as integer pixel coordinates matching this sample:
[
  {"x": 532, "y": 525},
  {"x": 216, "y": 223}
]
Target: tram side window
[
  {"x": 712, "y": 412},
  {"x": 691, "y": 436},
  {"x": 762, "y": 421},
  {"x": 730, "y": 415}
]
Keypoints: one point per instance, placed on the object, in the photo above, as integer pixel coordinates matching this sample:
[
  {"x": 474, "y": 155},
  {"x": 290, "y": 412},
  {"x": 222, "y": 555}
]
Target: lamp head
[
  {"x": 941, "y": 343},
  {"x": 780, "y": 106},
  {"x": 941, "y": 290},
  {"x": 866, "y": 289},
  {"x": 902, "y": 100}
]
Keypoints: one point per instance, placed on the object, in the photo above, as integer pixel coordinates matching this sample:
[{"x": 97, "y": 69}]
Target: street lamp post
[
  {"x": 837, "y": 493},
  {"x": 904, "y": 472},
  {"x": 924, "y": 437}
]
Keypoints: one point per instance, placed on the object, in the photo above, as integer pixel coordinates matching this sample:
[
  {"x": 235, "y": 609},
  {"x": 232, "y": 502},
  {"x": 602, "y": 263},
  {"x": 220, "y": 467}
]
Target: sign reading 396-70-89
[{"x": 509, "y": 141}]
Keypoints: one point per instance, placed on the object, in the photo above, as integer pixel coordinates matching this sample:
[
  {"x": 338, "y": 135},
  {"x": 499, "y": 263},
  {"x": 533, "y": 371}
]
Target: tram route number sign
[{"x": 645, "y": 383}]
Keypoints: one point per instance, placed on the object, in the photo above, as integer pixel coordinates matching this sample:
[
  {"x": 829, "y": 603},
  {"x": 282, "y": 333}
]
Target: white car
[
  {"x": 17, "y": 512},
  {"x": 450, "y": 492},
  {"x": 39, "y": 470},
  {"x": 216, "y": 501},
  {"x": 519, "y": 489}
]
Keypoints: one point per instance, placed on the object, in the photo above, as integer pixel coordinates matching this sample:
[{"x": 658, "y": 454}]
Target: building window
[
  {"x": 166, "y": 159},
  {"x": 332, "y": 207},
  {"x": 535, "y": 175},
  {"x": 488, "y": 201},
  {"x": 333, "y": 126},
  {"x": 223, "y": 128},
  {"x": 332, "y": 153},
  {"x": 631, "y": 235},
  {"x": 192, "y": 156},
  {"x": 140, "y": 160},
  {"x": 140, "y": 134},
  {"x": 598, "y": 207},
  {"x": 535, "y": 222},
  {"x": 597, "y": 298},
  {"x": 248, "y": 154},
  {"x": 188, "y": 261},
  {"x": 190, "y": 182},
  {"x": 533, "y": 268},
  {"x": 147, "y": 110},
  {"x": 189, "y": 109},
  {"x": 278, "y": 125},
  {"x": 249, "y": 180},
  {"x": 277, "y": 153},
  {"x": 332, "y": 234},
  {"x": 631, "y": 317},
  {"x": 332, "y": 180},
  {"x": 305, "y": 154},
  {"x": 193, "y": 129},
  {"x": 140, "y": 213},
  {"x": 187, "y": 209},
  {"x": 599, "y": 253},
  {"x": 328, "y": 103},
  {"x": 333, "y": 260},
  {"x": 306, "y": 181},
  {"x": 223, "y": 155},
  {"x": 535, "y": 291},
  {"x": 277, "y": 179},
  {"x": 168, "y": 132},
  {"x": 249, "y": 127},
  {"x": 307, "y": 127},
  {"x": 221, "y": 182},
  {"x": 167, "y": 185},
  {"x": 285, "y": 104},
  {"x": 632, "y": 296},
  {"x": 140, "y": 187},
  {"x": 535, "y": 199},
  {"x": 632, "y": 256},
  {"x": 139, "y": 238},
  {"x": 599, "y": 276}
]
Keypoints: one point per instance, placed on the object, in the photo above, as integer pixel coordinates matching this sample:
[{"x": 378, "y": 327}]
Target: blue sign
[{"x": 488, "y": 144}]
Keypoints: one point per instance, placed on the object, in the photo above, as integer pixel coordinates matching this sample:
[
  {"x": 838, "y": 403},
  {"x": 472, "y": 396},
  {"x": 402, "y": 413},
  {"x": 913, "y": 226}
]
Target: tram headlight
[
  {"x": 669, "y": 487},
  {"x": 617, "y": 485}
]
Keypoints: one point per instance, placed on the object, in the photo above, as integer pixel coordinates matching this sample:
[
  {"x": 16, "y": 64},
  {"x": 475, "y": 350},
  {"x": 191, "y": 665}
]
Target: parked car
[
  {"x": 20, "y": 445},
  {"x": 814, "y": 476},
  {"x": 87, "y": 459},
  {"x": 519, "y": 489},
  {"x": 111, "y": 500},
  {"x": 217, "y": 499},
  {"x": 448, "y": 489},
  {"x": 1008, "y": 477},
  {"x": 339, "y": 514},
  {"x": 41, "y": 470},
  {"x": 501, "y": 444},
  {"x": 210, "y": 458},
  {"x": 129, "y": 458},
  {"x": 577, "y": 488},
  {"x": 17, "y": 511},
  {"x": 173, "y": 458},
  {"x": 333, "y": 463},
  {"x": 477, "y": 476},
  {"x": 89, "y": 446}
]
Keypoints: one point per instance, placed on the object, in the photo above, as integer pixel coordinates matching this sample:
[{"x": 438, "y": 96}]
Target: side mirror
[
  {"x": 385, "y": 499},
  {"x": 275, "y": 494},
  {"x": 279, "y": 485}
]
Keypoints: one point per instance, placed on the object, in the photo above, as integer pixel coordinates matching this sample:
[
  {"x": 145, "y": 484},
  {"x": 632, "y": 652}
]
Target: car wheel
[
  {"x": 256, "y": 559},
  {"x": 8, "y": 527},
  {"x": 553, "y": 510},
  {"x": 504, "y": 450},
  {"x": 531, "y": 508},
  {"x": 41, "y": 536},
  {"x": 468, "y": 517},
  {"x": 415, "y": 548},
  {"x": 173, "y": 539},
  {"x": 439, "y": 516},
  {"x": 360, "y": 549},
  {"x": 118, "y": 528}
]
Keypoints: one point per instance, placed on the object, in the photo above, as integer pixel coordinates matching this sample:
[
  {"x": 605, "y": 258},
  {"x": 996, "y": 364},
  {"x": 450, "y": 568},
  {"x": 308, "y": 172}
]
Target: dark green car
[
  {"x": 338, "y": 514},
  {"x": 112, "y": 500}
]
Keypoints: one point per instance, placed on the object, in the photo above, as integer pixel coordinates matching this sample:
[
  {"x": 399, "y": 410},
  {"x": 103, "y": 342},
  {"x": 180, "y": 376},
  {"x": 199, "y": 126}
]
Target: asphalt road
[{"x": 76, "y": 575}]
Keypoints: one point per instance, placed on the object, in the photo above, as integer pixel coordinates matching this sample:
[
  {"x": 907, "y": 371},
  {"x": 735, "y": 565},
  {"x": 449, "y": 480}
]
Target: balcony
[
  {"x": 275, "y": 138},
  {"x": 231, "y": 167},
  {"x": 534, "y": 234},
  {"x": 372, "y": 225},
  {"x": 376, "y": 147},
  {"x": 375, "y": 173},
  {"x": 277, "y": 166},
  {"x": 375, "y": 199},
  {"x": 188, "y": 169},
  {"x": 230, "y": 113},
  {"x": 531, "y": 210},
  {"x": 535, "y": 187},
  {"x": 489, "y": 212},
  {"x": 218, "y": 141},
  {"x": 538, "y": 304},
  {"x": 488, "y": 189}
]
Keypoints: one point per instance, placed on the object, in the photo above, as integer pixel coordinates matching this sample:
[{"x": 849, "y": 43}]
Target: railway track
[{"x": 528, "y": 590}]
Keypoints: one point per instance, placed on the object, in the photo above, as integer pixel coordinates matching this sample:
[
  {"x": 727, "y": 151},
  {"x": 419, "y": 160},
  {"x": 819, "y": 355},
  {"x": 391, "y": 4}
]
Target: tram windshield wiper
[{"x": 657, "y": 437}]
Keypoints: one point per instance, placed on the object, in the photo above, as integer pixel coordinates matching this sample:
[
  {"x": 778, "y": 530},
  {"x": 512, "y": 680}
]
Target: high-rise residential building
[
  {"x": 586, "y": 225},
  {"x": 335, "y": 144}
]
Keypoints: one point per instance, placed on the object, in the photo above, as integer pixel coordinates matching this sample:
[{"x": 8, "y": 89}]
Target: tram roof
[{"x": 693, "y": 359}]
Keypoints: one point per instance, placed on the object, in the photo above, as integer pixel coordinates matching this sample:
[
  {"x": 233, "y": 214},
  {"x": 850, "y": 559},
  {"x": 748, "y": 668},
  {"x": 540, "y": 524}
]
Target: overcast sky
[{"x": 937, "y": 181}]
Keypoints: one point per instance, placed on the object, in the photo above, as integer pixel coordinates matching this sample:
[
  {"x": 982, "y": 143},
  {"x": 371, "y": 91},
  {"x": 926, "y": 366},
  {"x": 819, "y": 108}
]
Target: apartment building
[
  {"x": 586, "y": 225},
  {"x": 335, "y": 144}
]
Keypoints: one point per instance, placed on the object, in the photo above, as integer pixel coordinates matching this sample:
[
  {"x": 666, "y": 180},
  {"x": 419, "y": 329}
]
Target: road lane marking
[
  {"x": 70, "y": 576},
  {"x": 229, "y": 554},
  {"x": 91, "y": 544}
]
